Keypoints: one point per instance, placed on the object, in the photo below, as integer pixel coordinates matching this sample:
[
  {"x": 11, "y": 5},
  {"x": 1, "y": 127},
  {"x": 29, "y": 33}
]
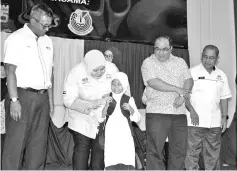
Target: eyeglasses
[
  {"x": 209, "y": 57},
  {"x": 108, "y": 56},
  {"x": 165, "y": 50},
  {"x": 43, "y": 26}
]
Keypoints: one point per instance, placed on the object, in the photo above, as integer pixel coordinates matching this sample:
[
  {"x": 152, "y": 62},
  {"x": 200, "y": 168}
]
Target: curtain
[
  {"x": 212, "y": 22},
  {"x": 132, "y": 57},
  {"x": 67, "y": 53},
  {"x": 4, "y": 35},
  {"x": 235, "y": 13}
]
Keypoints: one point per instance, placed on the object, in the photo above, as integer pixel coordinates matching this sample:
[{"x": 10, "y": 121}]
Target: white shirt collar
[
  {"x": 205, "y": 71},
  {"x": 29, "y": 31}
]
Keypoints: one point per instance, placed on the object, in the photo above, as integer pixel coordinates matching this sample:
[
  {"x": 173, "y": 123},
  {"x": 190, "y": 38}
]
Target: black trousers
[
  {"x": 205, "y": 141},
  {"x": 26, "y": 139},
  {"x": 228, "y": 153},
  {"x": 158, "y": 128},
  {"x": 83, "y": 146}
]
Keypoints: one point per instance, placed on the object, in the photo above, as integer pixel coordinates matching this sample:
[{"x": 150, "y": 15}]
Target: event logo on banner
[
  {"x": 4, "y": 13},
  {"x": 80, "y": 22}
]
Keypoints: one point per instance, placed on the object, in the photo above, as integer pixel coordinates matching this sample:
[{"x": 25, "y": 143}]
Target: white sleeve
[
  {"x": 136, "y": 115},
  {"x": 71, "y": 88},
  {"x": 225, "y": 91},
  {"x": 71, "y": 93},
  {"x": 11, "y": 50}
]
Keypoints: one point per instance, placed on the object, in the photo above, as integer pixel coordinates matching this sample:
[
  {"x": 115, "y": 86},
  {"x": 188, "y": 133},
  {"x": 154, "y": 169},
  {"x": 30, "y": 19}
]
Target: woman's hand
[
  {"x": 98, "y": 103},
  {"x": 106, "y": 95}
]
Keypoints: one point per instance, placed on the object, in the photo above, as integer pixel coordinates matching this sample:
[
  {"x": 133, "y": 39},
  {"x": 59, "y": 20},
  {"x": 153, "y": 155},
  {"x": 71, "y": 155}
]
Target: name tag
[{"x": 48, "y": 48}]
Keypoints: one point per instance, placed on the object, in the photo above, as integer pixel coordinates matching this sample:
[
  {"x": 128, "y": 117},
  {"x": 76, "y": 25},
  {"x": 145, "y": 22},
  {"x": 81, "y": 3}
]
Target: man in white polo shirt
[
  {"x": 29, "y": 60},
  {"x": 209, "y": 99}
]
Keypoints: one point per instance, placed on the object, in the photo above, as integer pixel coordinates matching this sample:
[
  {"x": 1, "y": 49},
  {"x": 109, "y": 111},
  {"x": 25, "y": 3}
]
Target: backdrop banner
[{"x": 123, "y": 20}]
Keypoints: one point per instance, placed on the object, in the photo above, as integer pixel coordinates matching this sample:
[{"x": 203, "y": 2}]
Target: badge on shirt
[
  {"x": 108, "y": 76},
  {"x": 85, "y": 80},
  {"x": 219, "y": 77},
  {"x": 48, "y": 48}
]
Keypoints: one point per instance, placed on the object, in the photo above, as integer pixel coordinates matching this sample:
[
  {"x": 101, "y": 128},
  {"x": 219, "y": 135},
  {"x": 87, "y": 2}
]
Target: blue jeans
[
  {"x": 82, "y": 148},
  {"x": 206, "y": 141},
  {"x": 158, "y": 128}
]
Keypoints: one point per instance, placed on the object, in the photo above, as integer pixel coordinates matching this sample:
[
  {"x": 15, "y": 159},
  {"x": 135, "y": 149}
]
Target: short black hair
[
  {"x": 211, "y": 47},
  {"x": 164, "y": 36}
]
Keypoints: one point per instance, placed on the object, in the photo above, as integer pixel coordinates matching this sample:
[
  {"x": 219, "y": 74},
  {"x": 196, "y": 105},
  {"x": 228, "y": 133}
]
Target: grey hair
[{"x": 39, "y": 8}]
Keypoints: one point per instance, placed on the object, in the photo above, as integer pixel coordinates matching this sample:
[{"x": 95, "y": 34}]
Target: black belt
[{"x": 41, "y": 91}]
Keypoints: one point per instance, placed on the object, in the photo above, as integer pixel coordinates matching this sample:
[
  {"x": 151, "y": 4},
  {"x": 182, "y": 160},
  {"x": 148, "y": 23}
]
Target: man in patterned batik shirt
[{"x": 168, "y": 83}]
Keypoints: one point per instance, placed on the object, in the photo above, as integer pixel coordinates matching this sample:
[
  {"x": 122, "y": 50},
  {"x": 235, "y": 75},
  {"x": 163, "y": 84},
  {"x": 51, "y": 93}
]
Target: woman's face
[
  {"x": 3, "y": 73},
  {"x": 108, "y": 55},
  {"x": 116, "y": 86},
  {"x": 98, "y": 72}
]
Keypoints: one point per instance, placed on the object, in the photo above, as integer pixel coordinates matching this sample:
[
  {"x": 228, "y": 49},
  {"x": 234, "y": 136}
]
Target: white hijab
[
  {"x": 123, "y": 78},
  {"x": 93, "y": 59}
]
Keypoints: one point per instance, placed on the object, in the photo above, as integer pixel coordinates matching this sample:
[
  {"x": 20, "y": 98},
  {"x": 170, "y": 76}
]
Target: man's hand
[
  {"x": 178, "y": 102},
  {"x": 223, "y": 123},
  {"x": 184, "y": 93},
  {"x": 194, "y": 118},
  {"x": 15, "y": 110}
]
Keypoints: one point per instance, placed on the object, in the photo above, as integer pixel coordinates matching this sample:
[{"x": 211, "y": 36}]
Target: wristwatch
[
  {"x": 227, "y": 117},
  {"x": 14, "y": 99}
]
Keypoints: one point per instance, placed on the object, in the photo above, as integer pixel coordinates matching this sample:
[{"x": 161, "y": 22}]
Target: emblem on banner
[{"x": 80, "y": 22}]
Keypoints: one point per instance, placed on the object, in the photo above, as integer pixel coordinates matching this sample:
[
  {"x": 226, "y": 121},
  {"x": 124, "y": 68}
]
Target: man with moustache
[
  {"x": 29, "y": 60},
  {"x": 209, "y": 99}
]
